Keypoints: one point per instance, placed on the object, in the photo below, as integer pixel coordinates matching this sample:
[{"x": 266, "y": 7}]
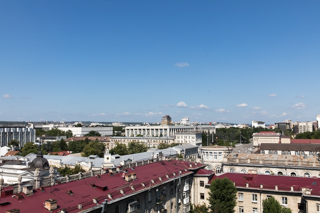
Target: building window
[
  {"x": 215, "y": 155},
  {"x": 202, "y": 196},
  {"x": 280, "y": 173},
  {"x": 241, "y": 209},
  {"x": 293, "y": 174},
  {"x": 218, "y": 170},
  {"x": 318, "y": 207},
  {"x": 254, "y": 210},
  {"x": 117, "y": 209},
  {"x": 254, "y": 198},
  {"x": 297, "y": 152},
  {"x": 232, "y": 170},
  {"x": 243, "y": 171},
  {"x": 201, "y": 183},
  {"x": 288, "y": 153},
  {"x": 240, "y": 196},
  {"x": 306, "y": 174},
  {"x": 284, "y": 200},
  {"x": 149, "y": 196},
  {"x": 267, "y": 172}
]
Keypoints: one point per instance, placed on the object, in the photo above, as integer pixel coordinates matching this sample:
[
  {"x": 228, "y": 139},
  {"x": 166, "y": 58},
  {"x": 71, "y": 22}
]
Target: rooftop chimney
[{"x": 50, "y": 204}]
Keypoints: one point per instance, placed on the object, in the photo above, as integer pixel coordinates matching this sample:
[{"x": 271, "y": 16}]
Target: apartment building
[{"x": 265, "y": 137}]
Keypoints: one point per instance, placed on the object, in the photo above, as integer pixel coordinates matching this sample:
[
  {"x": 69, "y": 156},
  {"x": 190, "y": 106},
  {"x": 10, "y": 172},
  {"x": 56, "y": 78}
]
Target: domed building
[{"x": 39, "y": 162}]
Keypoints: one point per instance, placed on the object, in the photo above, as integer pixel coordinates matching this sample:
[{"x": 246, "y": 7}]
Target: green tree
[
  {"x": 69, "y": 134},
  {"x": 94, "y": 148},
  {"x": 70, "y": 171},
  {"x": 222, "y": 196},
  {"x": 271, "y": 205},
  {"x": 93, "y": 134},
  {"x": 136, "y": 147},
  {"x": 200, "y": 208},
  {"x": 163, "y": 146},
  {"x": 78, "y": 125},
  {"x": 120, "y": 149},
  {"x": 63, "y": 145},
  {"x": 14, "y": 143},
  {"x": 28, "y": 148}
]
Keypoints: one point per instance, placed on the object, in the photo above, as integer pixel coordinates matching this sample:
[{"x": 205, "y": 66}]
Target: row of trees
[
  {"x": 222, "y": 199},
  {"x": 54, "y": 132},
  {"x": 132, "y": 148},
  {"x": 309, "y": 135}
]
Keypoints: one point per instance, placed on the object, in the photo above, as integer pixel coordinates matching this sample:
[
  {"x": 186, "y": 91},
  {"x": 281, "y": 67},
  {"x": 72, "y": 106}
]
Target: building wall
[
  {"x": 259, "y": 138},
  {"x": 23, "y": 135},
  {"x": 187, "y": 137},
  {"x": 81, "y": 131},
  {"x": 149, "y": 141}
]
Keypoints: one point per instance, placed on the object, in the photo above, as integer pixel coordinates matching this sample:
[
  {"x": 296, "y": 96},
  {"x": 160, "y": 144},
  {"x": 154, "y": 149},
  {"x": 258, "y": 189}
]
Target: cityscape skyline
[{"x": 137, "y": 61}]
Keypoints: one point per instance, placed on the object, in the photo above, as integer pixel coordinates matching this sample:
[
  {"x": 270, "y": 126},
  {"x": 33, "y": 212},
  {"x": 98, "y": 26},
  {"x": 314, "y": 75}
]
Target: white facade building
[
  {"x": 163, "y": 131},
  {"x": 265, "y": 137},
  {"x": 318, "y": 120},
  {"x": 213, "y": 156},
  {"x": 19, "y": 133},
  {"x": 81, "y": 131},
  {"x": 193, "y": 137},
  {"x": 257, "y": 124},
  {"x": 185, "y": 121},
  {"x": 305, "y": 127}
]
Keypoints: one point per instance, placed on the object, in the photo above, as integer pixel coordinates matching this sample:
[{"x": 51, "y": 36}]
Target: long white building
[
  {"x": 81, "y": 131},
  {"x": 164, "y": 131},
  {"x": 16, "y": 132}
]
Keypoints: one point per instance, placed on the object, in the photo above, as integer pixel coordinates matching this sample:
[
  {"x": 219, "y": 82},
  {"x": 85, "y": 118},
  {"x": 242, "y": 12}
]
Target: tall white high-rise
[{"x": 318, "y": 119}]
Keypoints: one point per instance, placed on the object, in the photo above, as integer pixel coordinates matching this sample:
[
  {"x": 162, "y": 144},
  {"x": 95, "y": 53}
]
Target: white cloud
[
  {"x": 272, "y": 95},
  {"x": 202, "y": 106},
  {"x": 123, "y": 113},
  {"x": 263, "y": 112},
  {"x": 221, "y": 110},
  {"x": 242, "y": 105},
  {"x": 256, "y": 108},
  {"x": 6, "y": 96},
  {"x": 181, "y": 104},
  {"x": 182, "y": 64},
  {"x": 99, "y": 114},
  {"x": 299, "y": 106},
  {"x": 284, "y": 113},
  {"x": 150, "y": 114}
]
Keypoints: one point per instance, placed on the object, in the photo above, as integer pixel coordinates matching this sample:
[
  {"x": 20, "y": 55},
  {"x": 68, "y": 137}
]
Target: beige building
[
  {"x": 192, "y": 137},
  {"x": 265, "y": 137},
  {"x": 151, "y": 142},
  {"x": 214, "y": 156},
  {"x": 271, "y": 164},
  {"x": 165, "y": 120}
]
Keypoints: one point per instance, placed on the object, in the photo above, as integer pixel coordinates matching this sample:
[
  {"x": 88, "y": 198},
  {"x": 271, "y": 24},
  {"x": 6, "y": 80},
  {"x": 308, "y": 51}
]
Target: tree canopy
[
  {"x": 199, "y": 208},
  {"x": 94, "y": 148},
  {"x": 137, "y": 147},
  {"x": 70, "y": 171},
  {"x": 14, "y": 143},
  {"x": 165, "y": 146},
  {"x": 271, "y": 205},
  {"x": 29, "y": 147},
  {"x": 120, "y": 149},
  {"x": 222, "y": 196},
  {"x": 93, "y": 133}
]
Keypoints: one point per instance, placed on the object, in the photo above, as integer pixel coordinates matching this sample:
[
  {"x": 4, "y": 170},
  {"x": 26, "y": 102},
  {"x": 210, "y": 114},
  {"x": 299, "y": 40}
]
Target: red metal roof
[
  {"x": 316, "y": 141},
  {"x": 85, "y": 190},
  {"x": 204, "y": 172},
  {"x": 284, "y": 183}
]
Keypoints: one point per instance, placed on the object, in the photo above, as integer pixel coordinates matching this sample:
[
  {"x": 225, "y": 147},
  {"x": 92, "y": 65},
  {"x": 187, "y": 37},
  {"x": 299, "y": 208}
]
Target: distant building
[
  {"x": 166, "y": 120},
  {"x": 81, "y": 131},
  {"x": 318, "y": 121},
  {"x": 301, "y": 127},
  {"x": 189, "y": 137},
  {"x": 283, "y": 126},
  {"x": 257, "y": 124},
  {"x": 149, "y": 141},
  {"x": 265, "y": 137},
  {"x": 185, "y": 121},
  {"x": 16, "y": 132},
  {"x": 213, "y": 156}
]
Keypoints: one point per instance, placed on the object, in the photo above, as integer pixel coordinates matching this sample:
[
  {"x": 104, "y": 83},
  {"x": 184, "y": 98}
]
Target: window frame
[
  {"x": 254, "y": 198},
  {"x": 284, "y": 201},
  {"x": 240, "y": 196},
  {"x": 201, "y": 196}
]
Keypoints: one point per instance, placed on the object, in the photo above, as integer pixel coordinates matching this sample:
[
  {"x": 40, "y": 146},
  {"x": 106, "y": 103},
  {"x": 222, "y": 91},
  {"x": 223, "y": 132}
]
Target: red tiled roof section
[
  {"x": 85, "y": 190},
  {"x": 267, "y": 133},
  {"x": 62, "y": 153},
  {"x": 204, "y": 172},
  {"x": 311, "y": 141},
  {"x": 284, "y": 183}
]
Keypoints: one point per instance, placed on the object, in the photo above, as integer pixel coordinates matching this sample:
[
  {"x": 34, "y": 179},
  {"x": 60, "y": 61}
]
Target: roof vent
[
  {"x": 19, "y": 196},
  {"x": 50, "y": 204},
  {"x": 79, "y": 206},
  {"x": 69, "y": 192}
]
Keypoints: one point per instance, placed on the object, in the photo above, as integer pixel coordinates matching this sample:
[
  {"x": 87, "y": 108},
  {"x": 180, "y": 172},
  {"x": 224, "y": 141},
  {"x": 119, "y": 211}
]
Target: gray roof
[
  {"x": 290, "y": 147},
  {"x": 185, "y": 146}
]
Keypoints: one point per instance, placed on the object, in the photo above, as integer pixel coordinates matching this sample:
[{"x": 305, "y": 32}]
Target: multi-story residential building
[
  {"x": 192, "y": 137},
  {"x": 214, "y": 156},
  {"x": 165, "y": 186},
  {"x": 290, "y": 149},
  {"x": 283, "y": 125},
  {"x": 185, "y": 121},
  {"x": 257, "y": 124},
  {"x": 187, "y": 150},
  {"x": 16, "y": 132},
  {"x": 81, "y": 131},
  {"x": 149, "y": 141},
  {"x": 301, "y": 127},
  {"x": 265, "y": 137},
  {"x": 301, "y": 195}
]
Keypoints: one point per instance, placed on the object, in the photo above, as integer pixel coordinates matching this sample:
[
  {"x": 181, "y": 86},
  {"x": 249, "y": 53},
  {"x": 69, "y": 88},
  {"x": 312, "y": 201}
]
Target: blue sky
[{"x": 230, "y": 61}]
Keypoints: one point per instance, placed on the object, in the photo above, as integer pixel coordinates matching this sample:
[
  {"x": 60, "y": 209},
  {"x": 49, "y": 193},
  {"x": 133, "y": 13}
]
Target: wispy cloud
[
  {"x": 167, "y": 105},
  {"x": 284, "y": 114},
  {"x": 242, "y": 105},
  {"x": 181, "y": 104},
  {"x": 149, "y": 114},
  {"x": 123, "y": 113},
  {"x": 99, "y": 114},
  {"x": 301, "y": 96},
  {"x": 272, "y": 95},
  {"x": 256, "y": 108},
  {"x": 221, "y": 110},
  {"x": 202, "y": 106},
  {"x": 181, "y": 64},
  {"x": 6, "y": 96},
  {"x": 299, "y": 106}
]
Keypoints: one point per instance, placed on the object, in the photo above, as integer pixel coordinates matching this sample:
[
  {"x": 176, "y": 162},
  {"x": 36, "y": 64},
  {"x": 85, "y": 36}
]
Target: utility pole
[{"x": 240, "y": 137}]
